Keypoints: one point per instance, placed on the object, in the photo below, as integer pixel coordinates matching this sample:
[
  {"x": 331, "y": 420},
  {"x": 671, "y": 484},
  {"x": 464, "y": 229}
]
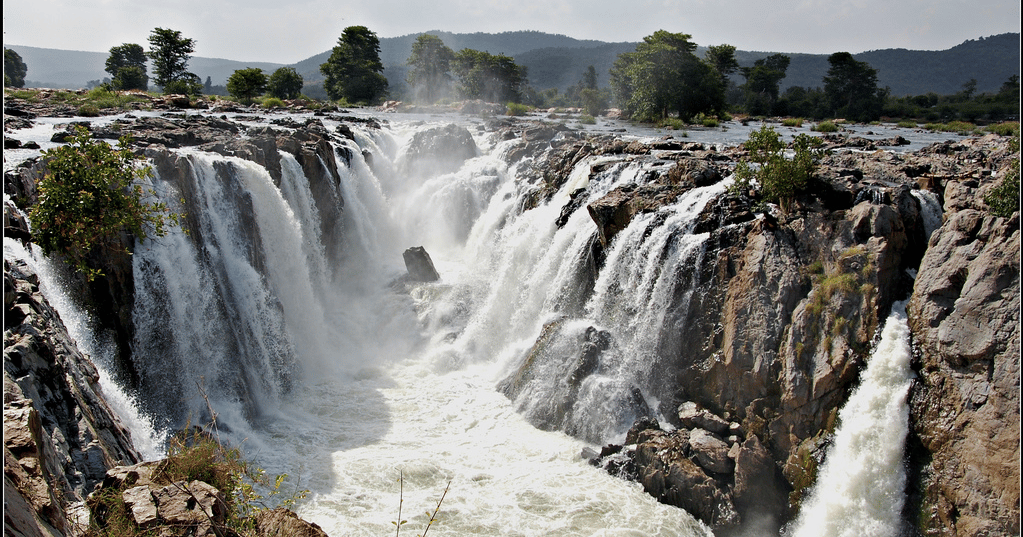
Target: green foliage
[
  {"x": 90, "y": 193},
  {"x": 825, "y": 126},
  {"x": 14, "y": 69},
  {"x": 429, "y": 76},
  {"x": 762, "y": 83},
  {"x": 587, "y": 119},
  {"x": 88, "y": 110},
  {"x": 516, "y": 109},
  {"x": 195, "y": 454},
  {"x": 272, "y": 102},
  {"x": 959, "y": 127},
  {"x": 1004, "y": 198},
  {"x": 246, "y": 84},
  {"x": 1008, "y": 128},
  {"x": 792, "y": 122},
  {"x": 284, "y": 83},
  {"x": 664, "y": 77},
  {"x": 778, "y": 179},
  {"x": 170, "y": 53},
  {"x": 353, "y": 71},
  {"x": 594, "y": 101},
  {"x": 851, "y": 89},
  {"x": 907, "y": 124},
  {"x": 485, "y": 76},
  {"x": 722, "y": 59},
  {"x": 127, "y": 67}
]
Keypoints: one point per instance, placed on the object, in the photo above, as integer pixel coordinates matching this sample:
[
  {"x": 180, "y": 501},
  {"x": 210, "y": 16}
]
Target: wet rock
[
  {"x": 419, "y": 265},
  {"x": 711, "y": 452},
  {"x": 692, "y": 416},
  {"x": 438, "y": 150}
]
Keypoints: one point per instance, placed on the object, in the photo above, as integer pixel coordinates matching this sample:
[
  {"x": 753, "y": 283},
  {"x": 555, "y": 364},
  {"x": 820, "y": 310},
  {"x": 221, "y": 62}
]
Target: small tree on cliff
[
  {"x": 430, "y": 62},
  {"x": 778, "y": 179},
  {"x": 246, "y": 84},
  {"x": 354, "y": 70},
  {"x": 89, "y": 194},
  {"x": 127, "y": 67},
  {"x": 285, "y": 83}
]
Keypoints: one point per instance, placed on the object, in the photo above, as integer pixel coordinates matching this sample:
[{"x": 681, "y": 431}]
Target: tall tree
[
  {"x": 722, "y": 59},
  {"x": 430, "y": 62},
  {"x": 170, "y": 54},
  {"x": 285, "y": 83},
  {"x": 127, "y": 67},
  {"x": 762, "y": 81},
  {"x": 485, "y": 76},
  {"x": 851, "y": 88},
  {"x": 246, "y": 84},
  {"x": 664, "y": 76},
  {"x": 14, "y": 69},
  {"x": 589, "y": 80},
  {"x": 353, "y": 71}
]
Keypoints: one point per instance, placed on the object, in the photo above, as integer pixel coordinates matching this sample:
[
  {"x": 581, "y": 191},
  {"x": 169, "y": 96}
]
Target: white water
[
  {"x": 335, "y": 377},
  {"x": 860, "y": 489},
  {"x": 147, "y": 438}
]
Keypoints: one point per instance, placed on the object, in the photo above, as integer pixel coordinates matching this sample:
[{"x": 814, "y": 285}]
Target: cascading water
[
  {"x": 342, "y": 376},
  {"x": 860, "y": 488}
]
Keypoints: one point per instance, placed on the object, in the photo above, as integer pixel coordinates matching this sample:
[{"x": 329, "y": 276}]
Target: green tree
[
  {"x": 127, "y": 67},
  {"x": 664, "y": 76},
  {"x": 492, "y": 78},
  {"x": 186, "y": 84},
  {"x": 246, "y": 84},
  {"x": 589, "y": 80},
  {"x": 762, "y": 81},
  {"x": 353, "y": 71},
  {"x": 89, "y": 194},
  {"x": 777, "y": 178},
  {"x": 14, "y": 69},
  {"x": 851, "y": 88},
  {"x": 285, "y": 83},
  {"x": 722, "y": 59},
  {"x": 170, "y": 54},
  {"x": 430, "y": 73}
]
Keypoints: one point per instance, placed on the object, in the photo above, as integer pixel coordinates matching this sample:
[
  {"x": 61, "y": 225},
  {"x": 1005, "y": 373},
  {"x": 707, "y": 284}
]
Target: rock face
[
  {"x": 784, "y": 312},
  {"x": 60, "y": 437},
  {"x": 965, "y": 317}
]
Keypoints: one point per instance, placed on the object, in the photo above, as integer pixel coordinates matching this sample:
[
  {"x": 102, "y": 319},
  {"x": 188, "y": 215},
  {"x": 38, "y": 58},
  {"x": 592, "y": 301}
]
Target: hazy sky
[{"x": 288, "y": 31}]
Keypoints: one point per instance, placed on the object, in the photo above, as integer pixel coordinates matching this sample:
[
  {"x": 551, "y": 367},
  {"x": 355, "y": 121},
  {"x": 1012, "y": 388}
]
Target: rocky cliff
[{"x": 786, "y": 309}]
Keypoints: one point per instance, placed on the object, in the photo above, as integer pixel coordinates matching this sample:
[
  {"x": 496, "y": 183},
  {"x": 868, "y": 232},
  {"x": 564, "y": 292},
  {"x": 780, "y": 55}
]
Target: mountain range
[{"x": 558, "y": 61}]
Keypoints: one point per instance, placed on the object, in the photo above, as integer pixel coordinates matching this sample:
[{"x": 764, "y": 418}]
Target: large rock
[
  {"x": 60, "y": 436},
  {"x": 419, "y": 265},
  {"x": 965, "y": 407},
  {"x": 438, "y": 150}
]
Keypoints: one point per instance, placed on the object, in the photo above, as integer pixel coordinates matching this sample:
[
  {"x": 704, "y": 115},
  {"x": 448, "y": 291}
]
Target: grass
[
  {"x": 89, "y": 104},
  {"x": 826, "y": 126},
  {"x": 958, "y": 127},
  {"x": 792, "y": 122},
  {"x": 1008, "y": 128},
  {"x": 907, "y": 124}
]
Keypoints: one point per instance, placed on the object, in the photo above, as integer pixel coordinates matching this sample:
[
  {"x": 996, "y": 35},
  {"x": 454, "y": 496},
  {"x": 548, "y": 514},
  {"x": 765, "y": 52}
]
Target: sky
[{"x": 288, "y": 31}]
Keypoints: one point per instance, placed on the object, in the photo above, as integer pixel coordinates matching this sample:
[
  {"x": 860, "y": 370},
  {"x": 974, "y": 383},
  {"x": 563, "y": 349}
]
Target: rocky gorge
[{"x": 761, "y": 348}]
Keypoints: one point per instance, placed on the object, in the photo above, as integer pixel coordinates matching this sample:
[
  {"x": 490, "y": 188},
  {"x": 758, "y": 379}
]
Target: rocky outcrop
[
  {"x": 438, "y": 150},
  {"x": 785, "y": 309},
  {"x": 60, "y": 437},
  {"x": 419, "y": 265},
  {"x": 965, "y": 407}
]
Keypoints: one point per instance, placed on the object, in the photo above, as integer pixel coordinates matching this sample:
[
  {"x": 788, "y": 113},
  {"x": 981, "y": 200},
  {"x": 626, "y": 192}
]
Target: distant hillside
[
  {"x": 55, "y": 68},
  {"x": 558, "y": 61}
]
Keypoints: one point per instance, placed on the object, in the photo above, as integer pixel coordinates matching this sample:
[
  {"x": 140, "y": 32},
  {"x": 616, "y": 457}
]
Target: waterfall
[
  {"x": 147, "y": 437},
  {"x": 860, "y": 488},
  {"x": 930, "y": 210}
]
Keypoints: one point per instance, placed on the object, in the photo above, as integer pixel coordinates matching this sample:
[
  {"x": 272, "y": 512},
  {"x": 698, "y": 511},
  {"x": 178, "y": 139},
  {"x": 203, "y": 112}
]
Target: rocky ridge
[{"x": 788, "y": 307}]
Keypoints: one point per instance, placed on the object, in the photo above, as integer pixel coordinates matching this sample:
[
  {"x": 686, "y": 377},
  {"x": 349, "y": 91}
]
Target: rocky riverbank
[{"x": 781, "y": 322}]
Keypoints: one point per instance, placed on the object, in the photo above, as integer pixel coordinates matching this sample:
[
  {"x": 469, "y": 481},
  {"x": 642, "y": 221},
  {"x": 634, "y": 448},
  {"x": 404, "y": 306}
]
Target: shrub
[
  {"x": 1008, "y": 128},
  {"x": 826, "y": 126},
  {"x": 587, "y": 119},
  {"x": 88, "y": 110},
  {"x": 516, "y": 109},
  {"x": 906, "y": 124},
  {"x": 90, "y": 193},
  {"x": 778, "y": 179},
  {"x": 1004, "y": 198},
  {"x": 792, "y": 122},
  {"x": 273, "y": 102},
  {"x": 672, "y": 123}
]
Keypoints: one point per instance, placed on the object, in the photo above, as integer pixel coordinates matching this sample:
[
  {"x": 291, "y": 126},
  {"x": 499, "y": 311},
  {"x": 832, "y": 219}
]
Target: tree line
[{"x": 662, "y": 78}]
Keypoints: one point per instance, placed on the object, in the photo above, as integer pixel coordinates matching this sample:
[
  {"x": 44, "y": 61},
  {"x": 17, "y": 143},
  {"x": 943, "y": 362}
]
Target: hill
[{"x": 558, "y": 61}]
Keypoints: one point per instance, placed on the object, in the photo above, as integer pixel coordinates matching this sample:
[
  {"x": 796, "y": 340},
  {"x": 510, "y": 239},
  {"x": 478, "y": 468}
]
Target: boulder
[
  {"x": 280, "y": 522},
  {"x": 419, "y": 265},
  {"x": 438, "y": 150},
  {"x": 692, "y": 416},
  {"x": 711, "y": 452}
]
